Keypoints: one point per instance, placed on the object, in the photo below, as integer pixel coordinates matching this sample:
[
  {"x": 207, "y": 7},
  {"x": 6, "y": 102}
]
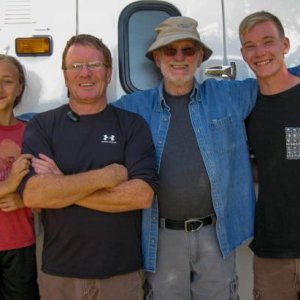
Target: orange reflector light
[{"x": 32, "y": 46}]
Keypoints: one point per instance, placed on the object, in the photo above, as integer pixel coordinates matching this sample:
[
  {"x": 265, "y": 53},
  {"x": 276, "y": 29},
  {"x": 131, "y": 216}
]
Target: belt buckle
[{"x": 190, "y": 221}]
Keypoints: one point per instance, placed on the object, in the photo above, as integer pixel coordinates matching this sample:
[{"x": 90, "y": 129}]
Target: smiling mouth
[
  {"x": 88, "y": 84},
  {"x": 263, "y": 63},
  {"x": 181, "y": 66}
]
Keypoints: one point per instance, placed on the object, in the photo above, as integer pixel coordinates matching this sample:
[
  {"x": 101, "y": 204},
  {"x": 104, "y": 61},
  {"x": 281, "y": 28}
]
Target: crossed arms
[{"x": 107, "y": 189}]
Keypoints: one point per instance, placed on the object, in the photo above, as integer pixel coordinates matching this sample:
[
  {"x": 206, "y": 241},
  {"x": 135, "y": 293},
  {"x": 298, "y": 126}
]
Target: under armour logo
[{"x": 109, "y": 139}]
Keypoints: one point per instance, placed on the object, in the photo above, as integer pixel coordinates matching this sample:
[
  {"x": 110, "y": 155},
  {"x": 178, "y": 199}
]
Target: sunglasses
[{"x": 188, "y": 51}]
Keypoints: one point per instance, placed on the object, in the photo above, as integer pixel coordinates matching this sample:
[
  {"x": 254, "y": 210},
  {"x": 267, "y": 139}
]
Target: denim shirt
[{"x": 217, "y": 111}]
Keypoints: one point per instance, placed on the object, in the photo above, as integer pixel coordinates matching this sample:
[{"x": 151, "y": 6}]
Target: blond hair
[{"x": 259, "y": 17}]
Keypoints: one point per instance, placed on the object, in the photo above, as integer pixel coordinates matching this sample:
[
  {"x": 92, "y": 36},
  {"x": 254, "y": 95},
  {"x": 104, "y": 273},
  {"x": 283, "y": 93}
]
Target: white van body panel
[{"x": 62, "y": 19}]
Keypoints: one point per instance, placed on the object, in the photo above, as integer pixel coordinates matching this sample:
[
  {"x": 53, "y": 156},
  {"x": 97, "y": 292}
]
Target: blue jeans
[{"x": 190, "y": 266}]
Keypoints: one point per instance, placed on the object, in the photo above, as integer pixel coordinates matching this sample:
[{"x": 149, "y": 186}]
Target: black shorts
[{"x": 18, "y": 274}]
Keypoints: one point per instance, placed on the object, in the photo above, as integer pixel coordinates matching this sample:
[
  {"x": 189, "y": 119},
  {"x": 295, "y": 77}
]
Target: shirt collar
[{"x": 195, "y": 95}]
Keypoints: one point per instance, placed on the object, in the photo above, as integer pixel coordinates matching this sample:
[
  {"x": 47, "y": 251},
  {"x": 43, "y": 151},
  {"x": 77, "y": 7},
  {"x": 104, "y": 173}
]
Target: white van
[
  {"x": 127, "y": 28},
  {"x": 36, "y": 32}
]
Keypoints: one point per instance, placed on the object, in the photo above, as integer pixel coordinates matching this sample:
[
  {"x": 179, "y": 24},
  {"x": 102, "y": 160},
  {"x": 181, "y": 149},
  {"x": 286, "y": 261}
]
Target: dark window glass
[{"x": 136, "y": 32}]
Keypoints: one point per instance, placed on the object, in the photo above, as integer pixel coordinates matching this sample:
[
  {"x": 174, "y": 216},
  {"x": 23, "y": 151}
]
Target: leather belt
[{"x": 189, "y": 225}]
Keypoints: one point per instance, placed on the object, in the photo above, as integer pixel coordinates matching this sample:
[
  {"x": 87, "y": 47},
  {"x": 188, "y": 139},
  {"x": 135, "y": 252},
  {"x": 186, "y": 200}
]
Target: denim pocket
[{"x": 227, "y": 134}]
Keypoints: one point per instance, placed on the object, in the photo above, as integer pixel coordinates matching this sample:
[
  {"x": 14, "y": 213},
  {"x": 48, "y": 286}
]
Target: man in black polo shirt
[{"x": 93, "y": 171}]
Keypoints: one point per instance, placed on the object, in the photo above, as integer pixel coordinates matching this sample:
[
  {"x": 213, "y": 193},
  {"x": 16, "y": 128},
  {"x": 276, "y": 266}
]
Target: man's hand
[
  {"x": 45, "y": 165},
  {"x": 115, "y": 175},
  {"x": 19, "y": 169},
  {"x": 11, "y": 202}
]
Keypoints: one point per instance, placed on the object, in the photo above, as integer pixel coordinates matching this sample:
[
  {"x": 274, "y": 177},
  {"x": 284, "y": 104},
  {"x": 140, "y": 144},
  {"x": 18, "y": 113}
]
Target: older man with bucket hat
[{"x": 205, "y": 203}]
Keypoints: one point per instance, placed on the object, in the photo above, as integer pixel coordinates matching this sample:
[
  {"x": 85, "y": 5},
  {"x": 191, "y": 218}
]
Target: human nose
[
  {"x": 85, "y": 70},
  {"x": 179, "y": 55},
  {"x": 260, "y": 50}
]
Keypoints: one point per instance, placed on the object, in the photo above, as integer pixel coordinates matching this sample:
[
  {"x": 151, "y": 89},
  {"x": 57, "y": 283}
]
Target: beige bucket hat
[{"x": 174, "y": 29}]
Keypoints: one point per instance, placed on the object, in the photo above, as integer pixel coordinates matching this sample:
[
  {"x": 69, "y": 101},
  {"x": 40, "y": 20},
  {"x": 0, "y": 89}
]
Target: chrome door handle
[{"x": 226, "y": 72}]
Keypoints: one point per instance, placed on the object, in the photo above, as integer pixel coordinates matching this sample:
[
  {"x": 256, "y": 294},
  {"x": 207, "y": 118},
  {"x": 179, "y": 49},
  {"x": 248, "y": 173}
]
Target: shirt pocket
[{"x": 227, "y": 134}]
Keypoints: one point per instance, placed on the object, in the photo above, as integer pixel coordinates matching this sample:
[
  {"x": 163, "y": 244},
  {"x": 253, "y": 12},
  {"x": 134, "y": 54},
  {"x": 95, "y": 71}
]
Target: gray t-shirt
[{"x": 184, "y": 189}]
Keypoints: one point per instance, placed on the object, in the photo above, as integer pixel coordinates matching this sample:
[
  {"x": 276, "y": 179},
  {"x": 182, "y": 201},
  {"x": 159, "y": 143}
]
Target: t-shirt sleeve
[
  {"x": 35, "y": 141},
  {"x": 140, "y": 153}
]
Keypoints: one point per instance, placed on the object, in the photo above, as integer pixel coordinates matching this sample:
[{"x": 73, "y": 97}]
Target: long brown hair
[{"x": 21, "y": 73}]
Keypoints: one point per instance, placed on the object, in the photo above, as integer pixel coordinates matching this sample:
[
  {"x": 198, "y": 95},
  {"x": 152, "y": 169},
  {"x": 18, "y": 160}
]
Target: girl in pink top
[{"x": 17, "y": 238}]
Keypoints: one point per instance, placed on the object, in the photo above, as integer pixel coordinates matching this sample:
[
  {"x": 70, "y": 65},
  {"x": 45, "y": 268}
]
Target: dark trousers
[{"x": 18, "y": 274}]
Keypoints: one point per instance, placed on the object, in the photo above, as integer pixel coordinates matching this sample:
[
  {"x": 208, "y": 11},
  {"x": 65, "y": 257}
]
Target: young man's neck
[{"x": 278, "y": 83}]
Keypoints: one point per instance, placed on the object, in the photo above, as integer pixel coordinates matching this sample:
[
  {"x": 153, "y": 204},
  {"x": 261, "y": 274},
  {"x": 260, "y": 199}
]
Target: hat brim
[{"x": 168, "y": 40}]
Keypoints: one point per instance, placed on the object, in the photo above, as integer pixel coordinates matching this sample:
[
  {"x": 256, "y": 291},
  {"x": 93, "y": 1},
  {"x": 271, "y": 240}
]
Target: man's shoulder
[
  {"x": 26, "y": 117},
  {"x": 49, "y": 116},
  {"x": 125, "y": 114},
  {"x": 129, "y": 121},
  {"x": 141, "y": 102},
  {"x": 138, "y": 96},
  {"x": 148, "y": 95},
  {"x": 212, "y": 82},
  {"x": 227, "y": 91},
  {"x": 54, "y": 111}
]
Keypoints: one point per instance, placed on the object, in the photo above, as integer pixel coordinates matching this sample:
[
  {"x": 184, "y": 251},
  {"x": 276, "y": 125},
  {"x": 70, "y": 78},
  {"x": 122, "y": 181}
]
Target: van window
[{"x": 135, "y": 34}]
